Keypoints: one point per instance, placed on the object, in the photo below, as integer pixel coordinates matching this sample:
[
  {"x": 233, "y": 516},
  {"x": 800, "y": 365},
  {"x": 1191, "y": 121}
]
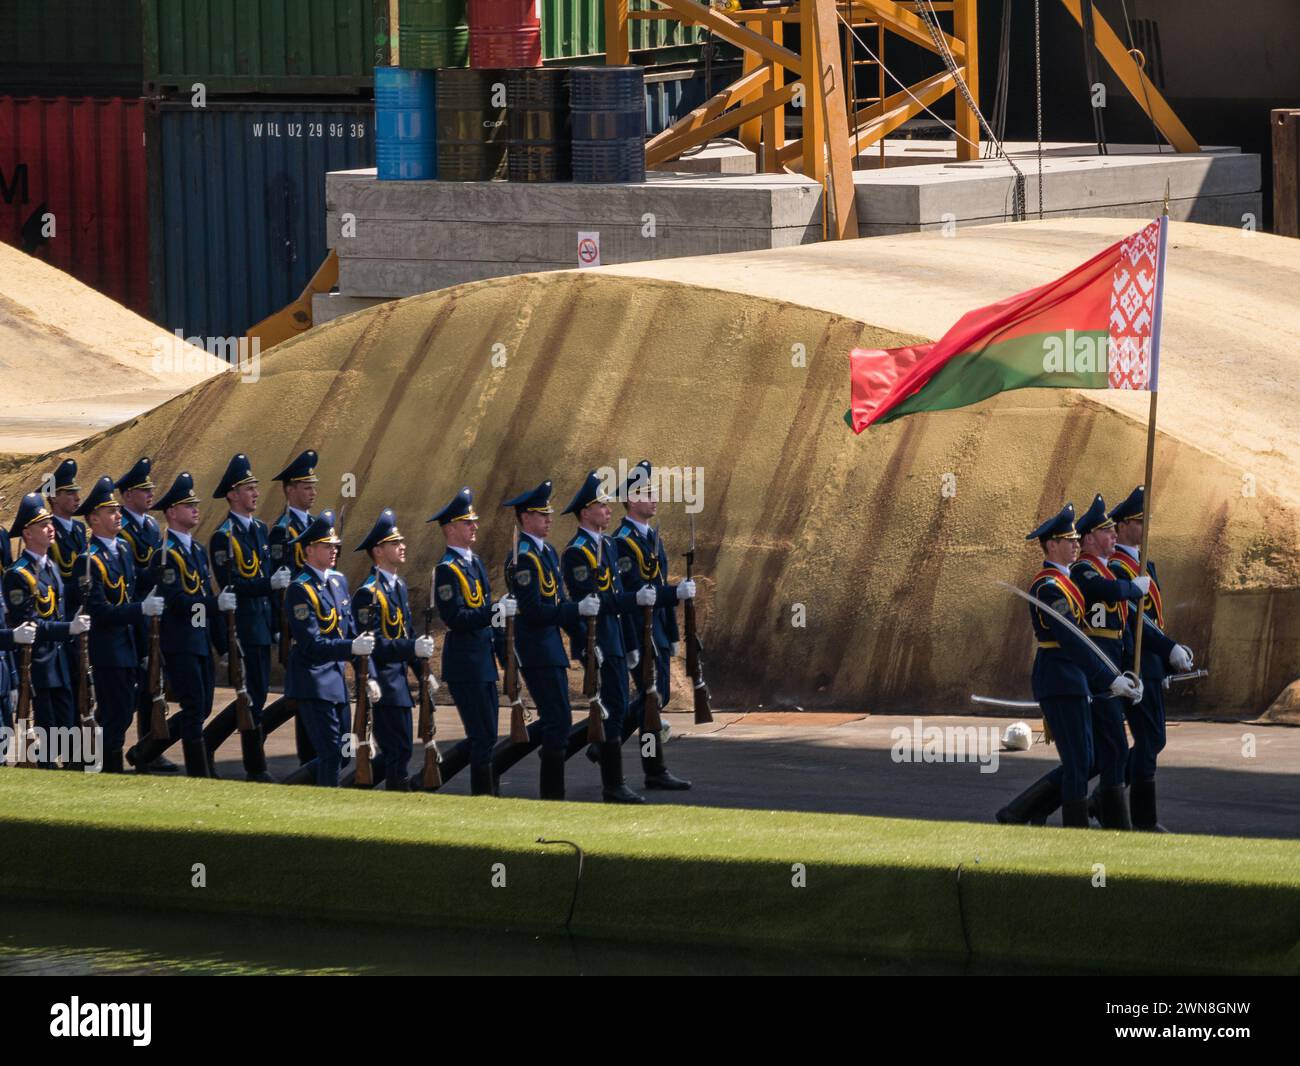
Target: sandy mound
[
  {"x": 862, "y": 540},
  {"x": 73, "y": 362}
]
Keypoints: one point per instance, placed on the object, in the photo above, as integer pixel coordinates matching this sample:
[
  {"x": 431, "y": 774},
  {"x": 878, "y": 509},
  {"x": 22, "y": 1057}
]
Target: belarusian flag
[{"x": 1096, "y": 328}]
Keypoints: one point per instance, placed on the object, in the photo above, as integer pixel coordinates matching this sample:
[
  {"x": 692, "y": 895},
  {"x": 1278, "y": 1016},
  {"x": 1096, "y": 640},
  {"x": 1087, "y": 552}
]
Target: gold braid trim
[
  {"x": 545, "y": 585},
  {"x": 604, "y": 578},
  {"x": 118, "y": 586},
  {"x": 243, "y": 568},
  {"x": 64, "y": 565},
  {"x": 190, "y": 580},
  {"x": 142, "y": 560},
  {"x": 46, "y": 606},
  {"x": 328, "y": 622},
  {"x": 392, "y": 627},
  {"x": 473, "y": 599},
  {"x": 647, "y": 573}
]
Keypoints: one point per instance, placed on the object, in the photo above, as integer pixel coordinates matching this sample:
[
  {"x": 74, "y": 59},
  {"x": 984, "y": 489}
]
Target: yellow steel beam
[
  {"x": 616, "y": 47},
  {"x": 1135, "y": 80},
  {"x": 902, "y": 22},
  {"x": 680, "y": 135},
  {"x": 728, "y": 30},
  {"x": 774, "y": 120},
  {"x": 829, "y": 85},
  {"x": 295, "y": 318},
  {"x": 770, "y": 99},
  {"x": 968, "y": 123}
]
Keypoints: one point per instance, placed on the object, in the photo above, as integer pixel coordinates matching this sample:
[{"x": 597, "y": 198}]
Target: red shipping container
[
  {"x": 504, "y": 33},
  {"x": 73, "y": 189}
]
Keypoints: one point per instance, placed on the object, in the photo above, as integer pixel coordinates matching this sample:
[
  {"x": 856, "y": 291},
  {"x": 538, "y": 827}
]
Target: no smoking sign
[{"x": 588, "y": 248}]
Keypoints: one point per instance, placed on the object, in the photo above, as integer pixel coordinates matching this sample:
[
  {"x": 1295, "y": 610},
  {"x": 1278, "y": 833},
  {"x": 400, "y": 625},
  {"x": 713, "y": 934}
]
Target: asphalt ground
[{"x": 1229, "y": 778}]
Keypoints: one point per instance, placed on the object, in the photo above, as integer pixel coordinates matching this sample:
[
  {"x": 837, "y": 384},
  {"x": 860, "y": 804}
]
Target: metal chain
[{"x": 1038, "y": 99}]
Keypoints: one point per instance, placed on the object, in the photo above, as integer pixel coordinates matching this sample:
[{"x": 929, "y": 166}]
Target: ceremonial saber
[
  {"x": 1032, "y": 705},
  {"x": 1191, "y": 675},
  {"x": 1115, "y": 670}
]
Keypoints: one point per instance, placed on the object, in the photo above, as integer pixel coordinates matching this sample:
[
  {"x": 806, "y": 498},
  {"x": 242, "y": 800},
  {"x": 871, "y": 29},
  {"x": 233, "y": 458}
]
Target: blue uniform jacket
[
  {"x": 1064, "y": 665},
  {"x": 145, "y": 541},
  {"x": 619, "y": 616},
  {"x": 320, "y": 618},
  {"x": 185, "y": 584},
  {"x": 641, "y": 562},
  {"x": 239, "y": 562},
  {"x": 386, "y": 612},
  {"x": 1106, "y": 606},
  {"x": 116, "y": 621},
  {"x": 1156, "y": 644},
  {"x": 544, "y": 609},
  {"x": 34, "y": 593},
  {"x": 282, "y": 552},
  {"x": 463, "y": 597},
  {"x": 69, "y": 545}
]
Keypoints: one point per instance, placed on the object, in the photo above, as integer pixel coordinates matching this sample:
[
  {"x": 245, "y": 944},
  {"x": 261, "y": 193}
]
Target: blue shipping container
[{"x": 237, "y": 199}]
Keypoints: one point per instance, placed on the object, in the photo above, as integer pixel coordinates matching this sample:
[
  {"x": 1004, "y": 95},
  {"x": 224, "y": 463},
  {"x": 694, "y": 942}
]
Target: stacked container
[
  {"x": 406, "y": 142},
  {"x": 609, "y": 107},
  {"x": 505, "y": 33}
]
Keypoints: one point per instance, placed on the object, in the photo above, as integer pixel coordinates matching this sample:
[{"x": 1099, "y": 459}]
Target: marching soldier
[
  {"x": 324, "y": 639},
  {"x": 10, "y": 641},
  {"x": 543, "y": 610},
  {"x": 33, "y": 592},
  {"x": 463, "y": 597},
  {"x": 1066, "y": 672},
  {"x": 381, "y": 606},
  {"x": 105, "y": 574},
  {"x": 189, "y": 619},
  {"x": 241, "y": 563},
  {"x": 1106, "y": 616},
  {"x": 590, "y": 568},
  {"x": 1160, "y": 654},
  {"x": 299, "y": 482},
  {"x": 642, "y": 561},
  {"x": 69, "y": 534}
]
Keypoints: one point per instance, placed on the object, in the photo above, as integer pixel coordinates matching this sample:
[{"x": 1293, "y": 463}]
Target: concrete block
[
  {"x": 389, "y": 278},
  {"x": 716, "y": 159},
  {"x": 327, "y": 306}
]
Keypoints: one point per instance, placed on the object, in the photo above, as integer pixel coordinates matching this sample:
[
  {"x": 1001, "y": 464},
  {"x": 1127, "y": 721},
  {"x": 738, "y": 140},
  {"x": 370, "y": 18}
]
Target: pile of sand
[
  {"x": 836, "y": 571},
  {"x": 73, "y": 362}
]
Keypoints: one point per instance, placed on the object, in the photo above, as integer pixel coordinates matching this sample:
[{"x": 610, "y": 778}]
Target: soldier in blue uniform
[
  {"x": 11, "y": 639},
  {"x": 1065, "y": 675},
  {"x": 591, "y": 568},
  {"x": 381, "y": 606},
  {"x": 105, "y": 574},
  {"x": 324, "y": 639},
  {"x": 642, "y": 561},
  {"x": 34, "y": 592},
  {"x": 462, "y": 595},
  {"x": 143, "y": 537},
  {"x": 299, "y": 482},
  {"x": 241, "y": 563},
  {"x": 1160, "y": 655},
  {"x": 69, "y": 534},
  {"x": 190, "y": 619},
  {"x": 1106, "y": 616},
  {"x": 544, "y": 610}
]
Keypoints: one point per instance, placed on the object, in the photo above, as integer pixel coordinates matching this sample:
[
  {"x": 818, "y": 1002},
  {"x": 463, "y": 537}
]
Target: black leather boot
[
  {"x": 1142, "y": 806},
  {"x": 480, "y": 779},
  {"x": 113, "y": 761},
  {"x": 613, "y": 789},
  {"x": 657, "y": 775},
  {"x": 196, "y": 758},
  {"x": 396, "y": 781},
  {"x": 158, "y": 763},
  {"x": 1074, "y": 815},
  {"x": 1031, "y": 806},
  {"x": 1114, "y": 808},
  {"x": 552, "y": 780},
  {"x": 250, "y": 741}
]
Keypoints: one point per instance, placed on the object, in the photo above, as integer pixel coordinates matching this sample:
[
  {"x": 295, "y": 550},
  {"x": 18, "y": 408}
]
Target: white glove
[
  {"x": 364, "y": 644},
  {"x": 79, "y": 625},
  {"x": 152, "y": 606},
  {"x": 589, "y": 606},
  {"x": 686, "y": 590},
  {"x": 423, "y": 647},
  {"x": 280, "y": 579},
  {"x": 226, "y": 601},
  {"x": 672, "y": 651},
  {"x": 373, "y": 690},
  {"x": 25, "y": 633},
  {"x": 1126, "y": 688},
  {"x": 1181, "y": 658},
  {"x": 1143, "y": 582},
  {"x": 600, "y": 656},
  {"x": 633, "y": 657},
  {"x": 509, "y": 606},
  {"x": 13, "y": 698},
  {"x": 646, "y": 596}
]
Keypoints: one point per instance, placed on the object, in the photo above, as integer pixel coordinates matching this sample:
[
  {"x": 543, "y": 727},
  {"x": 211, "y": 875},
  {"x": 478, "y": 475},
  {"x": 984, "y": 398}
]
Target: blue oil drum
[
  {"x": 406, "y": 142},
  {"x": 608, "y": 123}
]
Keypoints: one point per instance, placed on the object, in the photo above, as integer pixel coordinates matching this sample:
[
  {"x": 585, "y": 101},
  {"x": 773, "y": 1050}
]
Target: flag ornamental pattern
[{"x": 1134, "y": 299}]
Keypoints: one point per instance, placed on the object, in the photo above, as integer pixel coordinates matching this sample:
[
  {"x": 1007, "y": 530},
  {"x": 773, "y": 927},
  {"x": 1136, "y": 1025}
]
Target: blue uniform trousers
[
  {"x": 636, "y": 712},
  {"x": 614, "y": 694},
  {"x": 257, "y": 677},
  {"x": 327, "y": 725},
  {"x": 191, "y": 681},
  {"x": 549, "y": 687},
  {"x": 1110, "y": 745},
  {"x": 54, "y": 709},
  {"x": 477, "y": 705},
  {"x": 7, "y": 721},
  {"x": 1147, "y": 721},
  {"x": 392, "y": 727},
  {"x": 115, "y": 700},
  {"x": 1070, "y": 720}
]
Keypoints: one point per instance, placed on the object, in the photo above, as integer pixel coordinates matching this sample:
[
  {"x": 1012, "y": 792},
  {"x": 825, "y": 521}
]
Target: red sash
[
  {"x": 1072, "y": 594},
  {"x": 1152, "y": 599},
  {"x": 1104, "y": 571}
]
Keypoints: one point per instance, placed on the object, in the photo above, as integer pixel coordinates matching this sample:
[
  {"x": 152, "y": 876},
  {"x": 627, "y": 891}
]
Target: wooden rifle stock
[
  {"x": 86, "y": 702},
  {"x": 158, "y": 713},
  {"x": 235, "y": 662},
  {"x": 23, "y": 712},
  {"x": 361, "y": 722},
  {"x": 431, "y": 777},
  {"x": 651, "y": 722},
  {"x": 518, "y": 724},
  {"x": 591, "y": 669},
  {"x": 703, "y": 711}
]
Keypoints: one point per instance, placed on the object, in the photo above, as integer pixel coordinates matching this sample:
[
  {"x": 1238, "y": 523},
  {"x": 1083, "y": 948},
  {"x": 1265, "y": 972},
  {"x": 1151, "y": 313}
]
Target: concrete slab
[
  {"x": 383, "y": 279},
  {"x": 716, "y": 159},
  {"x": 327, "y": 306}
]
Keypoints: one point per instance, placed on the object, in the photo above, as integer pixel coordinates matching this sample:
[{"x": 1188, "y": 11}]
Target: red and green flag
[{"x": 1098, "y": 327}]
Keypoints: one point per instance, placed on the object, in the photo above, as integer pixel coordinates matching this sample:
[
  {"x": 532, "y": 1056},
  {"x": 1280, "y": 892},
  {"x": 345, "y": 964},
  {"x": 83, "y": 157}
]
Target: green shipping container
[
  {"x": 572, "y": 28},
  {"x": 70, "y": 48},
  {"x": 323, "y": 47}
]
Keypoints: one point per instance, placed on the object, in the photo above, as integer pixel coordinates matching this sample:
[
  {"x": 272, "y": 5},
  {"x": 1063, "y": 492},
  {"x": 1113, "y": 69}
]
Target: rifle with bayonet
[
  {"x": 235, "y": 674},
  {"x": 694, "y": 669},
  {"x": 518, "y": 720},
  {"x": 596, "y": 714},
  {"x": 651, "y": 721},
  {"x": 361, "y": 725},
  {"x": 23, "y": 712},
  {"x": 432, "y": 774},
  {"x": 157, "y": 695}
]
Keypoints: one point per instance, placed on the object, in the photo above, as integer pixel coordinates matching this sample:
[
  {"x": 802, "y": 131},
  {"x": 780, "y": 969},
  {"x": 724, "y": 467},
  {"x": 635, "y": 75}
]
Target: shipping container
[
  {"x": 71, "y": 48},
  {"x": 269, "y": 47},
  {"x": 237, "y": 194},
  {"x": 73, "y": 189},
  {"x": 672, "y": 94},
  {"x": 576, "y": 28}
]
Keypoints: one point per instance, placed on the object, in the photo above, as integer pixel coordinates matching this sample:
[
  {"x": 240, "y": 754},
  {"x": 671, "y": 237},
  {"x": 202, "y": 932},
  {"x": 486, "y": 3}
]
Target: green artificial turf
[{"x": 656, "y": 873}]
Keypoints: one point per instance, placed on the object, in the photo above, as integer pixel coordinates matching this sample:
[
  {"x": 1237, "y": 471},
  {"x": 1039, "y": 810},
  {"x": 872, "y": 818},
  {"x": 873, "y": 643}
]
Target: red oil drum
[{"x": 505, "y": 33}]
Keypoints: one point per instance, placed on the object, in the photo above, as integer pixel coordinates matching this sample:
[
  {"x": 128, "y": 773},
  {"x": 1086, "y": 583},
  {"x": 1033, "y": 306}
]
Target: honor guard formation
[
  {"x": 1095, "y": 669},
  {"x": 115, "y": 618}
]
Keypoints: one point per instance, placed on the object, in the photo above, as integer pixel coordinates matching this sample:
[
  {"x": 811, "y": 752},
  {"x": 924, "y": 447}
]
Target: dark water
[{"x": 37, "y": 940}]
